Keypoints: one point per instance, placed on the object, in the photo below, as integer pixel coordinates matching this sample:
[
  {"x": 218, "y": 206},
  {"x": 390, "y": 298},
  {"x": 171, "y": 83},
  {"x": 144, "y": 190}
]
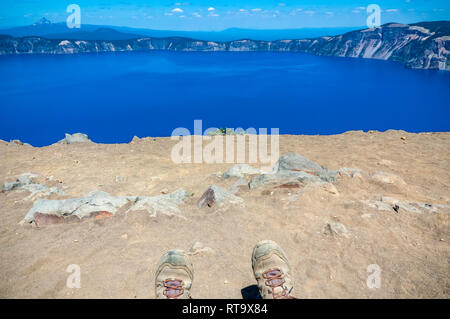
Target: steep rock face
[{"x": 422, "y": 46}]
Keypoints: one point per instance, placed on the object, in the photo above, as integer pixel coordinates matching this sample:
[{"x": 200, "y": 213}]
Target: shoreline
[{"x": 427, "y": 44}]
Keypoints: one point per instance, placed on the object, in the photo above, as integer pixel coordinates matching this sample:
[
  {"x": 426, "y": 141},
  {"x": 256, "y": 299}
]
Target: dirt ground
[{"x": 118, "y": 255}]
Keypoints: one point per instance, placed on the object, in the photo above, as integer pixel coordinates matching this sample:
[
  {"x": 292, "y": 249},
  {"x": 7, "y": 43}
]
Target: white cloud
[
  {"x": 310, "y": 12},
  {"x": 168, "y": 14},
  {"x": 294, "y": 12},
  {"x": 197, "y": 15},
  {"x": 257, "y": 10},
  {"x": 391, "y": 10},
  {"x": 213, "y": 15},
  {"x": 360, "y": 8},
  {"x": 330, "y": 13},
  {"x": 211, "y": 9},
  {"x": 179, "y": 10},
  {"x": 242, "y": 10},
  {"x": 282, "y": 4}
]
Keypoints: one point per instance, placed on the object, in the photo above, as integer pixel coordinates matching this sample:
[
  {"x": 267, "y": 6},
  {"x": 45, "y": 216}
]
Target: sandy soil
[{"x": 118, "y": 255}]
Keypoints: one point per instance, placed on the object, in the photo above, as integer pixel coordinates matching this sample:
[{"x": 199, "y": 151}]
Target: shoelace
[
  {"x": 274, "y": 279},
  {"x": 174, "y": 288}
]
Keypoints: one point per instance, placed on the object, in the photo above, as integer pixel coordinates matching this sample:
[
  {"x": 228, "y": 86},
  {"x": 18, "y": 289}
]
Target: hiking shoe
[
  {"x": 174, "y": 276},
  {"x": 272, "y": 271}
]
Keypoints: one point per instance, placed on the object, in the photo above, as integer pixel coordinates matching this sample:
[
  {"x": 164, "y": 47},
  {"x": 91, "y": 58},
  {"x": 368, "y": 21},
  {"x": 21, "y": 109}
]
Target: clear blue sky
[{"x": 222, "y": 14}]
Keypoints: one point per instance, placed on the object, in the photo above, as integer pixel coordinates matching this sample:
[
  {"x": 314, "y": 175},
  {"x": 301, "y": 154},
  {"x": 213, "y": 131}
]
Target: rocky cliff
[{"x": 423, "y": 45}]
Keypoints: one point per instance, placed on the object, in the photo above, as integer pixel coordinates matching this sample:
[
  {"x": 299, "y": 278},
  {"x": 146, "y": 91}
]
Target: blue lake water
[{"x": 114, "y": 96}]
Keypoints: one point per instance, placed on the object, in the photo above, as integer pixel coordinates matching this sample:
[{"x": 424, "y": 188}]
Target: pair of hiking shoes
[{"x": 175, "y": 273}]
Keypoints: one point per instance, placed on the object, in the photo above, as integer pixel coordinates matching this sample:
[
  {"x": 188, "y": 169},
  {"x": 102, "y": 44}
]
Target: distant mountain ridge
[
  {"x": 44, "y": 28},
  {"x": 424, "y": 45}
]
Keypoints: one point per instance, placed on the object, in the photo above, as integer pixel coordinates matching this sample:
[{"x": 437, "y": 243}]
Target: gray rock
[
  {"x": 9, "y": 186},
  {"x": 350, "y": 172},
  {"x": 28, "y": 182},
  {"x": 389, "y": 203},
  {"x": 199, "y": 249},
  {"x": 387, "y": 178},
  {"x": 217, "y": 195},
  {"x": 337, "y": 229},
  {"x": 378, "y": 205},
  {"x": 294, "y": 168},
  {"x": 240, "y": 170},
  {"x": 75, "y": 138},
  {"x": 27, "y": 178},
  {"x": 297, "y": 163},
  {"x": 164, "y": 204},
  {"x": 39, "y": 190},
  {"x": 178, "y": 196},
  {"x": 135, "y": 140},
  {"x": 439, "y": 208},
  {"x": 15, "y": 143},
  {"x": 283, "y": 177},
  {"x": 98, "y": 201},
  {"x": 95, "y": 201},
  {"x": 241, "y": 182}
]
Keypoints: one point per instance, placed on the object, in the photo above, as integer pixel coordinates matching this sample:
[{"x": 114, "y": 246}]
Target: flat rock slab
[
  {"x": 392, "y": 204},
  {"x": 294, "y": 169},
  {"x": 387, "y": 178},
  {"x": 31, "y": 182},
  {"x": 240, "y": 184},
  {"x": 297, "y": 163},
  {"x": 42, "y": 220},
  {"x": 100, "y": 204},
  {"x": 166, "y": 204},
  {"x": 240, "y": 170},
  {"x": 283, "y": 178}
]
